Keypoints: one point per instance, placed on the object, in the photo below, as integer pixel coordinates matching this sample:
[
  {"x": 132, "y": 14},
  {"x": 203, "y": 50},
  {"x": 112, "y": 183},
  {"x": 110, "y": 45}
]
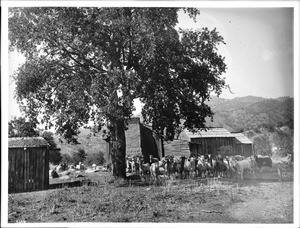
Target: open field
[{"x": 257, "y": 199}]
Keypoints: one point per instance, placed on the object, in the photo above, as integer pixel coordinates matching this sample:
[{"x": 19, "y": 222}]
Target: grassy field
[{"x": 259, "y": 199}]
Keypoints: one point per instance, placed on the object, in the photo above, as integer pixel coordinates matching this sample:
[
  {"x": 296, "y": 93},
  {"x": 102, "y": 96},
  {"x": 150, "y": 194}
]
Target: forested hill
[
  {"x": 255, "y": 116},
  {"x": 250, "y": 113}
]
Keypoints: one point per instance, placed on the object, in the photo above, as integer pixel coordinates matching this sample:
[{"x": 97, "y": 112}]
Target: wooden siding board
[
  {"x": 16, "y": 177},
  {"x": 148, "y": 143},
  {"x": 36, "y": 166},
  {"x": 25, "y": 171},
  {"x": 21, "y": 159},
  {"x": 12, "y": 164},
  {"x": 11, "y": 170},
  {"x": 42, "y": 170},
  {"x": 46, "y": 183},
  {"x": 19, "y": 170},
  {"x": 28, "y": 169},
  {"x": 40, "y": 164},
  {"x": 213, "y": 145},
  {"x": 243, "y": 149}
]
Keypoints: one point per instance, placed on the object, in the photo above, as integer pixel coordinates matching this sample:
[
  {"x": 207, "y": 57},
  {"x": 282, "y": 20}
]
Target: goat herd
[{"x": 201, "y": 166}]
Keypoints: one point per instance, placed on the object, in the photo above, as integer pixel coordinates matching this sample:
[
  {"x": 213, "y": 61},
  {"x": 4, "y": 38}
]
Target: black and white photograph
[{"x": 150, "y": 113}]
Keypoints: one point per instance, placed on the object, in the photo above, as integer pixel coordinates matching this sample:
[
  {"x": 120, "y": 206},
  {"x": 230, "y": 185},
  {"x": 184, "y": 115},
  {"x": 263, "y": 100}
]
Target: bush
[
  {"x": 79, "y": 156},
  {"x": 67, "y": 159},
  {"x": 55, "y": 156},
  {"x": 95, "y": 158},
  {"x": 262, "y": 145}
]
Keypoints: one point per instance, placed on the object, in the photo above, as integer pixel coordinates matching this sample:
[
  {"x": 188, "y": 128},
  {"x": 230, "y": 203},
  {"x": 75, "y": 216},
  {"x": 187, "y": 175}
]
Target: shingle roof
[
  {"x": 240, "y": 138},
  {"x": 20, "y": 142},
  {"x": 209, "y": 133}
]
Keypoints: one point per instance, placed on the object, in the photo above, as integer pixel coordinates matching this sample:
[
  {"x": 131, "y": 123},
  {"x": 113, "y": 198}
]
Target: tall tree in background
[
  {"x": 19, "y": 127},
  {"x": 90, "y": 63},
  {"x": 55, "y": 156}
]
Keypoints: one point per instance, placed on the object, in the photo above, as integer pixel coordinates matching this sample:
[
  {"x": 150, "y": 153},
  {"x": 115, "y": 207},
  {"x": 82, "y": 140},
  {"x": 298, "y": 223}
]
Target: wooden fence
[{"x": 28, "y": 169}]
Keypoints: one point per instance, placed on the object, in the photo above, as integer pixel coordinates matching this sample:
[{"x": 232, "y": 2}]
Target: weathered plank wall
[
  {"x": 243, "y": 149},
  {"x": 148, "y": 143},
  {"x": 28, "y": 169},
  {"x": 177, "y": 148},
  {"x": 214, "y": 146}
]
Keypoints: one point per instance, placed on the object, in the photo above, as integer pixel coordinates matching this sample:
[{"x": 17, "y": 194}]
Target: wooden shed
[
  {"x": 28, "y": 164},
  {"x": 151, "y": 143},
  {"x": 212, "y": 141},
  {"x": 140, "y": 140},
  {"x": 177, "y": 148},
  {"x": 242, "y": 145}
]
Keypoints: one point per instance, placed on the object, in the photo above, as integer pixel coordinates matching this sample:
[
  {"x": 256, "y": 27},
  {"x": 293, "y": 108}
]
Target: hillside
[
  {"x": 89, "y": 141},
  {"x": 259, "y": 118},
  {"x": 268, "y": 123},
  {"x": 246, "y": 113}
]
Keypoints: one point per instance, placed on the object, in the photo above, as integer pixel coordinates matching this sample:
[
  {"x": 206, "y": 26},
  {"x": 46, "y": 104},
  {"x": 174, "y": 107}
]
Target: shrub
[
  {"x": 67, "y": 159},
  {"x": 55, "y": 157},
  {"x": 95, "y": 158},
  {"x": 262, "y": 145},
  {"x": 79, "y": 156}
]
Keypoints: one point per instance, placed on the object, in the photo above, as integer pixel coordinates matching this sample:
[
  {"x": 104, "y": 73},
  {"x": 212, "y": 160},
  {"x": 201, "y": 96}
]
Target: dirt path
[{"x": 264, "y": 203}]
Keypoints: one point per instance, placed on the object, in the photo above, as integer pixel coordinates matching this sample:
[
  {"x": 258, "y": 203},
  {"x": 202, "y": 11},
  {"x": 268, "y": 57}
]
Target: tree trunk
[{"x": 118, "y": 148}]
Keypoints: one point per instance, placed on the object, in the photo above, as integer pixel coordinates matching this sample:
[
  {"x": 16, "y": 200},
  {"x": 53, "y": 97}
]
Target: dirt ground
[
  {"x": 264, "y": 202},
  {"x": 259, "y": 198}
]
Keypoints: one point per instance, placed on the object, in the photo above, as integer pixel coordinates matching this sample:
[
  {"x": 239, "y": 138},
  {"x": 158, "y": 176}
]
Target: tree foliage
[
  {"x": 262, "y": 145},
  {"x": 284, "y": 142},
  {"x": 95, "y": 158},
  {"x": 67, "y": 159},
  {"x": 19, "y": 127},
  {"x": 55, "y": 156},
  {"x": 48, "y": 135},
  {"x": 253, "y": 113},
  {"x": 90, "y": 63}
]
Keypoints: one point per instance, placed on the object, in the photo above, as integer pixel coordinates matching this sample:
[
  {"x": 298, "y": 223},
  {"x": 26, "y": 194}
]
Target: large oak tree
[{"x": 90, "y": 63}]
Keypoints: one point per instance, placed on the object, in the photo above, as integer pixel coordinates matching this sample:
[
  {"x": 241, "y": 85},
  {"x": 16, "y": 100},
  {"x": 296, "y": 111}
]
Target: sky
[{"x": 258, "y": 52}]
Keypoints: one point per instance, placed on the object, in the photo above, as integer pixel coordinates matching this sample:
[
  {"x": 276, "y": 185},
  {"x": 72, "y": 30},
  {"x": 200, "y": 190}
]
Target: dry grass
[{"x": 164, "y": 200}]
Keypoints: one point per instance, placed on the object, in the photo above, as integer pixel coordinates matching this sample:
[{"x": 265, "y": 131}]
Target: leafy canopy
[
  {"x": 19, "y": 127},
  {"x": 90, "y": 63}
]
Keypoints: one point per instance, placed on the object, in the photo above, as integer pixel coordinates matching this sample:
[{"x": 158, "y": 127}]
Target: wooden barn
[
  {"x": 242, "y": 145},
  {"x": 28, "y": 164},
  {"x": 177, "y": 148},
  {"x": 212, "y": 141},
  {"x": 141, "y": 140}
]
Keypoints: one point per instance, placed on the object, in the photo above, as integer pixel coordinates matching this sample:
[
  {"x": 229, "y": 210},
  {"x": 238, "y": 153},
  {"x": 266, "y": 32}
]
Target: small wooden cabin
[
  {"x": 242, "y": 145},
  {"x": 212, "y": 141},
  {"x": 28, "y": 164}
]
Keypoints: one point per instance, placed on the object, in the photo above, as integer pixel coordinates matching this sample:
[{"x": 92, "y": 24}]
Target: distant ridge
[
  {"x": 250, "y": 112},
  {"x": 245, "y": 113}
]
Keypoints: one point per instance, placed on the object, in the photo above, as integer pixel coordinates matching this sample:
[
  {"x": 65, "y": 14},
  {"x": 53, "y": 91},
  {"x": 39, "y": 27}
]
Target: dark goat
[{"x": 263, "y": 161}]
